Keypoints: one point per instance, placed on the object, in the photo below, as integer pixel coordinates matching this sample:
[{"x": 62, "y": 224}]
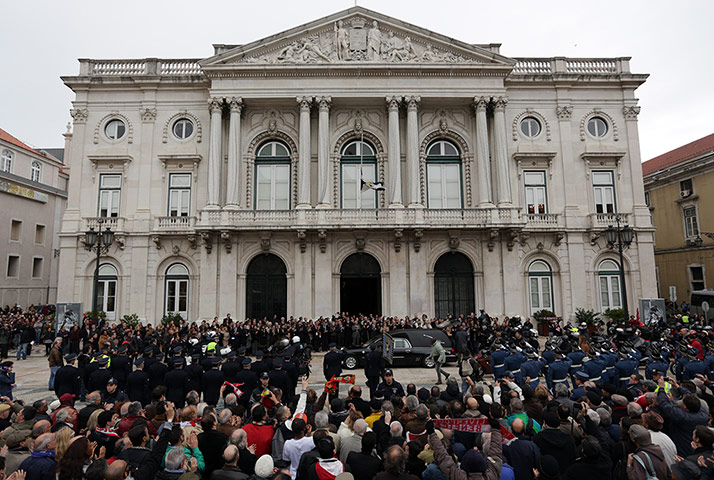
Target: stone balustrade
[
  {"x": 173, "y": 224},
  {"x": 542, "y": 220},
  {"x": 572, "y": 66},
  {"x": 604, "y": 220},
  {"x": 116, "y": 224}
]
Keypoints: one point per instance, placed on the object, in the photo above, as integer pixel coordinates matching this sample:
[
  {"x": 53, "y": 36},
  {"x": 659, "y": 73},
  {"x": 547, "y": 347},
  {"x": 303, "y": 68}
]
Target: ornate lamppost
[
  {"x": 98, "y": 241},
  {"x": 620, "y": 237}
]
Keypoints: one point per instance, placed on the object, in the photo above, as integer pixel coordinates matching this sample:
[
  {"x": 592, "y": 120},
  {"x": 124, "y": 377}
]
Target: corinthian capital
[
  {"x": 304, "y": 102},
  {"x": 480, "y": 103},
  {"x": 215, "y": 104},
  {"x": 564, "y": 112},
  {"x": 412, "y": 102},
  {"x": 324, "y": 102},
  {"x": 79, "y": 114},
  {"x": 500, "y": 103},
  {"x": 236, "y": 104},
  {"x": 631, "y": 112},
  {"x": 393, "y": 102}
]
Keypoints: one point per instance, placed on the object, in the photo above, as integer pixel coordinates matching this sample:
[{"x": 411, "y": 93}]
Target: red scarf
[{"x": 107, "y": 431}]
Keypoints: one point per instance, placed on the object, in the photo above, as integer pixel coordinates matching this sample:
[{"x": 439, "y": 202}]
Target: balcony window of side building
[
  {"x": 109, "y": 195},
  {"x": 604, "y": 192},
  {"x": 536, "y": 198},
  {"x": 6, "y": 163},
  {"x": 609, "y": 279},
  {"x": 358, "y": 162},
  {"x": 443, "y": 173},
  {"x": 176, "y": 296},
  {"x": 272, "y": 177},
  {"x": 36, "y": 171},
  {"x": 179, "y": 194},
  {"x": 691, "y": 225},
  {"x": 540, "y": 285},
  {"x": 107, "y": 290}
]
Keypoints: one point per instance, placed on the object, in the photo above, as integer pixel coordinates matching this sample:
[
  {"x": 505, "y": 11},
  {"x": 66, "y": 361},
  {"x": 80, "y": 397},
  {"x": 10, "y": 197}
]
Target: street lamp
[
  {"x": 98, "y": 241},
  {"x": 620, "y": 237}
]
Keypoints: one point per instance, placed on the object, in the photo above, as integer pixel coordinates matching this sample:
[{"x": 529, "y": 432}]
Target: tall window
[
  {"x": 358, "y": 163},
  {"x": 272, "y": 177},
  {"x": 107, "y": 290},
  {"x": 36, "y": 171},
  {"x": 696, "y": 273},
  {"x": 176, "y": 297},
  {"x": 6, "y": 163},
  {"x": 443, "y": 173},
  {"x": 609, "y": 277},
  {"x": 604, "y": 192},
  {"x": 109, "y": 195},
  {"x": 179, "y": 194},
  {"x": 540, "y": 286},
  {"x": 536, "y": 199},
  {"x": 691, "y": 227}
]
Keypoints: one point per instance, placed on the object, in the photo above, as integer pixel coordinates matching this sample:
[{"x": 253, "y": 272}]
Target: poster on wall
[
  {"x": 651, "y": 309},
  {"x": 68, "y": 314}
]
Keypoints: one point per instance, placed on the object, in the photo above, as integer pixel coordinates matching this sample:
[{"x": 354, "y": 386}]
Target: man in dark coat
[
  {"x": 231, "y": 368},
  {"x": 67, "y": 379},
  {"x": 279, "y": 378},
  {"x": 522, "y": 454},
  {"x": 249, "y": 379},
  {"x": 157, "y": 372},
  {"x": 332, "y": 364},
  {"x": 212, "y": 382},
  {"x": 121, "y": 366},
  {"x": 175, "y": 382},
  {"x": 389, "y": 386},
  {"x": 7, "y": 379},
  {"x": 373, "y": 366},
  {"x": 137, "y": 383},
  {"x": 260, "y": 365},
  {"x": 553, "y": 441},
  {"x": 195, "y": 372},
  {"x": 211, "y": 443},
  {"x": 99, "y": 378},
  {"x": 681, "y": 421}
]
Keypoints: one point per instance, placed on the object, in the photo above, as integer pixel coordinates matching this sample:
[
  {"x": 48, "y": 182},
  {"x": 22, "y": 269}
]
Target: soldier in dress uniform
[
  {"x": 279, "y": 378},
  {"x": 655, "y": 362},
  {"x": 67, "y": 378},
  {"x": 513, "y": 363},
  {"x": 373, "y": 367},
  {"x": 157, "y": 371},
  {"x": 137, "y": 383},
  {"x": 579, "y": 391},
  {"x": 195, "y": 373},
  {"x": 99, "y": 378},
  {"x": 557, "y": 371},
  {"x": 212, "y": 382},
  {"x": 176, "y": 381},
  {"x": 149, "y": 358},
  {"x": 576, "y": 357},
  {"x": 498, "y": 358},
  {"x": 625, "y": 367},
  {"x": 249, "y": 379},
  {"x": 532, "y": 368},
  {"x": 610, "y": 359},
  {"x": 121, "y": 366},
  {"x": 260, "y": 365},
  {"x": 594, "y": 366},
  {"x": 240, "y": 356}
]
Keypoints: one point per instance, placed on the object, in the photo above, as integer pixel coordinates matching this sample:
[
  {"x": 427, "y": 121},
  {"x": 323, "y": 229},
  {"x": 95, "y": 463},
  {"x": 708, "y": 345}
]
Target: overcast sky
[{"x": 670, "y": 40}]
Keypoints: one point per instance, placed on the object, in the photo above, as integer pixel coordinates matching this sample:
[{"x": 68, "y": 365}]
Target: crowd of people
[{"x": 232, "y": 400}]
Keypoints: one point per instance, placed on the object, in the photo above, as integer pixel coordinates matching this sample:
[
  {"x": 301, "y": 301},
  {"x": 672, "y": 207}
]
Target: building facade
[
  {"x": 33, "y": 194},
  {"x": 241, "y": 182},
  {"x": 679, "y": 189}
]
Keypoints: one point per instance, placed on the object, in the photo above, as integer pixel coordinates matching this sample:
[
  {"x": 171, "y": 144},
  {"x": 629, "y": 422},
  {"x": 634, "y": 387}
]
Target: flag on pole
[{"x": 377, "y": 186}]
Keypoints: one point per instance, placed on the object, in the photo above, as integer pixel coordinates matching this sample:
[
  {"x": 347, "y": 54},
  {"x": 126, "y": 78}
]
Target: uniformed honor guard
[
  {"x": 67, "y": 378},
  {"x": 137, "y": 383},
  {"x": 176, "y": 381}
]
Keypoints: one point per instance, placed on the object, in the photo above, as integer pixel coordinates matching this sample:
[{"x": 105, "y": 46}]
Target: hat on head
[
  {"x": 102, "y": 360},
  {"x": 246, "y": 361},
  {"x": 264, "y": 466},
  {"x": 582, "y": 375},
  {"x": 53, "y": 406},
  {"x": 594, "y": 397},
  {"x": 423, "y": 394},
  {"x": 6, "y": 363},
  {"x": 388, "y": 372},
  {"x": 122, "y": 349},
  {"x": 159, "y": 356},
  {"x": 332, "y": 345},
  {"x": 215, "y": 361},
  {"x": 653, "y": 420},
  {"x": 640, "y": 435},
  {"x": 686, "y": 469},
  {"x": 139, "y": 361},
  {"x": 176, "y": 361},
  {"x": 259, "y": 354},
  {"x": 552, "y": 419},
  {"x": 4, "y": 407},
  {"x": 345, "y": 476},
  {"x": 657, "y": 371},
  {"x": 70, "y": 358},
  {"x": 474, "y": 462},
  {"x": 112, "y": 381},
  {"x": 619, "y": 400},
  {"x": 264, "y": 375},
  {"x": 177, "y": 349},
  {"x": 548, "y": 467},
  {"x": 148, "y": 350},
  {"x": 67, "y": 397},
  {"x": 230, "y": 354},
  {"x": 241, "y": 350}
]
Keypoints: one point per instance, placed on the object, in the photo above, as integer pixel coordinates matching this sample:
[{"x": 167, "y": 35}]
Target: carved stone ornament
[
  {"x": 454, "y": 241},
  {"x": 398, "y": 233},
  {"x": 500, "y": 103},
  {"x": 322, "y": 235},
  {"x": 157, "y": 241},
  {"x": 148, "y": 114},
  {"x": 215, "y": 104},
  {"x": 512, "y": 237},
  {"x": 198, "y": 135},
  {"x": 207, "y": 241},
  {"x": 226, "y": 241},
  {"x": 357, "y": 40},
  {"x": 558, "y": 238},
  {"x": 79, "y": 115},
  {"x": 120, "y": 241},
  {"x": 540, "y": 246},
  {"x": 302, "y": 240},
  {"x": 176, "y": 250},
  {"x": 480, "y": 103},
  {"x": 492, "y": 237},
  {"x": 235, "y": 104},
  {"x": 443, "y": 123},
  {"x": 192, "y": 241},
  {"x": 265, "y": 241},
  {"x": 524, "y": 236},
  {"x": 631, "y": 112},
  {"x": 360, "y": 242},
  {"x": 594, "y": 236},
  {"x": 564, "y": 112},
  {"x": 418, "y": 234}
]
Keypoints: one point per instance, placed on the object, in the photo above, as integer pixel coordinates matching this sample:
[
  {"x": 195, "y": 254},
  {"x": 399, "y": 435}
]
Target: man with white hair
[
  {"x": 354, "y": 443},
  {"x": 177, "y": 465},
  {"x": 246, "y": 453},
  {"x": 42, "y": 463}
]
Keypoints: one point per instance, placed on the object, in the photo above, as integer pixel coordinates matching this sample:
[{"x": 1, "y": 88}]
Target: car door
[{"x": 402, "y": 352}]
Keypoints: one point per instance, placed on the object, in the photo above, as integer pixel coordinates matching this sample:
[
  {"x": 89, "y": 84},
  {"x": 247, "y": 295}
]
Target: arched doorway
[
  {"x": 266, "y": 287},
  {"x": 361, "y": 285},
  {"x": 453, "y": 285}
]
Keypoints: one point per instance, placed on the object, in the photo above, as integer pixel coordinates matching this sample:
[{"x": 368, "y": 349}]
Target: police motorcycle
[{"x": 284, "y": 347}]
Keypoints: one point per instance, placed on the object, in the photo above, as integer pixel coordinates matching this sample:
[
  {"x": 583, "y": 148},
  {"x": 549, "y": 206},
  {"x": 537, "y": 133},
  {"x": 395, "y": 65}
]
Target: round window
[
  {"x": 597, "y": 127},
  {"x": 530, "y": 127},
  {"x": 114, "y": 129},
  {"x": 183, "y": 128}
]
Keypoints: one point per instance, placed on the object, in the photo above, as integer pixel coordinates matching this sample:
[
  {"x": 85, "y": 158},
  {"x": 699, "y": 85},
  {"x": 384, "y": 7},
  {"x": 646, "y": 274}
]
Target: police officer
[
  {"x": 121, "y": 366},
  {"x": 112, "y": 395},
  {"x": 532, "y": 368},
  {"x": 557, "y": 371},
  {"x": 332, "y": 363},
  {"x": 256, "y": 394},
  {"x": 176, "y": 381},
  {"x": 389, "y": 386},
  {"x": 195, "y": 372},
  {"x": 579, "y": 391},
  {"x": 137, "y": 383},
  {"x": 212, "y": 382},
  {"x": 7, "y": 379},
  {"x": 513, "y": 363},
  {"x": 240, "y": 356},
  {"x": 695, "y": 367},
  {"x": 655, "y": 362},
  {"x": 279, "y": 378},
  {"x": 231, "y": 367},
  {"x": 67, "y": 378},
  {"x": 656, "y": 376},
  {"x": 99, "y": 378},
  {"x": 260, "y": 365},
  {"x": 157, "y": 371},
  {"x": 624, "y": 368},
  {"x": 373, "y": 366},
  {"x": 249, "y": 380},
  {"x": 610, "y": 359}
]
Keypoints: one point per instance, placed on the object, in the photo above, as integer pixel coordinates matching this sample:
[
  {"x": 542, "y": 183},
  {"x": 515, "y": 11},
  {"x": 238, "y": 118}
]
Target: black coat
[
  {"x": 195, "y": 372},
  {"x": 212, "y": 381},
  {"x": 553, "y": 441},
  {"x": 281, "y": 380},
  {"x": 260, "y": 366},
  {"x": 157, "y": 372},
  {"x": 230, "y": 369},
  {"x": 137, "y": 387},
  {"x": 67, "y": 380},
  {"x": 374, "y": 364},
  {"x": 121, "y": 368},
  {"x": 175, "y": 382},
  {"x": 98, "y": 380},
  {"x": 332, "y": 365},
  {"x": 84, "y": 414},
  {"x": 211, "y": 444},
  {"x": 250, "y": 381},
  {"x": 363, "y": 466}
]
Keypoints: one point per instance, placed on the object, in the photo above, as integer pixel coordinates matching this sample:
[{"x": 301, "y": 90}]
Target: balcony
[
  {"x": 544, "y": 221},
  {"x": 116, "y": 224},
  {"x": 603, "y": 220},
  {"x": 174, "y": 224}
]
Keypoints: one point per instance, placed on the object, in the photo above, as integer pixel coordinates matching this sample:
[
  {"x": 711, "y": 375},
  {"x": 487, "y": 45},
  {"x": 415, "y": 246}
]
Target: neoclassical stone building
[{"x": 235, "y": 183}]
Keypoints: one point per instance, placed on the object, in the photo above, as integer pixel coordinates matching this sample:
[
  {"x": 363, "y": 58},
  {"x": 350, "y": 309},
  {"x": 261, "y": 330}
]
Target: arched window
[
  {"x": 358, "y": 163},
  {"x": 7, "y": 157},
  {"x": 540, "y": 286},
  {"x": 608, "y": 273},
  {"x": 36, "y": 170},
  {"x": 443, "y": 173},
  {"x": 107, "y": 290},
  {"x": 361, "y": 285},
  {"x": 272, "y": 177},
  {"x": 176, "y": 291}
]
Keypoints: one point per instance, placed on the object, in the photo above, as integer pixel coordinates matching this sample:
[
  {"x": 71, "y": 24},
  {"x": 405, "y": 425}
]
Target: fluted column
[
  {"x": 323, "y": 152},
  {"x": 482, "y": 153},
  {"x": 214, "y": 153},
  {"x": 503, "y": 181},
  {"x": 234, "y": 168},
  {"x": 393, "y": 154},
  {"x": 413, "y": 151},
  {"x": 304, "y": 153}
]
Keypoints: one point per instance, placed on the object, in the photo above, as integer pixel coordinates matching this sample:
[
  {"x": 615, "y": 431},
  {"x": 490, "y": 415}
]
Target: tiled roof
[
  {"x": 14, "y": 141},
  {"x": 685, "y": 152}
]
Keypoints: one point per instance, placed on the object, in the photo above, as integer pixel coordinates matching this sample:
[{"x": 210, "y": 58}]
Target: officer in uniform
[
  {"x": 373, "y": 366},
  {"x": 240, "y": 356},
  {"x": 625, "y": 367},
  {"x": 389, "y": 386},
  {"x": 231, "y": 367},
  {"x": 195, "y": 372},
  {"x": 292, "y": 370},
  {"x": 579, "y": 391},
  {"x": 498, "y": 358},
  {"x": 212, "y": 381},
  {"x": 67, "y": 378},
  {"x": 513, "y": 364},
  {"x": 610, "y": 359},
  {"x": 695, "y": 367},
  {"x": 260, "y": 365},
  {"x": 121, "y": 366},
  {"x": 279, "y": 378},
  {"x": 332, "y": 363},
  {"x": 256, "y": 394},
  {"x": 557, "y": 371},
  {"x": 594, "y": 366},
  {"x": 176, "y": 381},
  {"x": 149, "y": 358},
  {"x": 655, "y": 362},
  {"x": 532, "y": 368},
  {"x": 137, "y": 383},
  {"x": 576, "y": 357},
  {"x": 656, "y": 375},
  {"x": 249, "y": 380},
  {"x": 99, "y": 378},
  {"x": 112, "y": 395}
]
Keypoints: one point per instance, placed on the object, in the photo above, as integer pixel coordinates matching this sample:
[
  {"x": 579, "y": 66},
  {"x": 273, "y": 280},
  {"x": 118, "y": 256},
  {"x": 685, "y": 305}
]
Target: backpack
[{"x": 650, "y": 473}]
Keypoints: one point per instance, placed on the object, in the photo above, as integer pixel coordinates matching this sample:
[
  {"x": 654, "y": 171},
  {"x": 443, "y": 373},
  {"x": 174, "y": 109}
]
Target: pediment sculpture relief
[{"x": 357, "y": 40}]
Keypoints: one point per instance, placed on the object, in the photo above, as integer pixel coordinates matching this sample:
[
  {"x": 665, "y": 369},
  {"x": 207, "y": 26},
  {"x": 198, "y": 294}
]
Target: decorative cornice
[{"x": 631, "y": 112}]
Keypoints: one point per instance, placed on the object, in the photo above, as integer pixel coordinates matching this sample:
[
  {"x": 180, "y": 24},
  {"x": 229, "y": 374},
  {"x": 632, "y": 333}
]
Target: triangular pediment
[{"x": 358, "y": 36}]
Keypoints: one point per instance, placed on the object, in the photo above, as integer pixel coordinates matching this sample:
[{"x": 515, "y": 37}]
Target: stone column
[
  {"x": 323, "y": 153},
  {"x": 482, "y": 153},
  {"x": 304, "y": 153},
  {"x": 413, "y": 151},
  {"x": 214, "y": 153},
  {"x": 394, "y": 155},
  {"x": 234, "y": 149},
  {"x": 503, "y": 182}
]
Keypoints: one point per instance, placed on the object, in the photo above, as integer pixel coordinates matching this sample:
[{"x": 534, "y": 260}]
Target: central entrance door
[
  {"x": 361, "y": 285},
  {"x": 266, "y": 287},
  {"x": 453, "y": 285}
]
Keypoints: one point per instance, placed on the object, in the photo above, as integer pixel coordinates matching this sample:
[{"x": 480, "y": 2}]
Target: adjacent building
[
  {"x": 250, "y": 181},
  {"x": 679, "y": 190},
  {"x": 33, "y": 194}
]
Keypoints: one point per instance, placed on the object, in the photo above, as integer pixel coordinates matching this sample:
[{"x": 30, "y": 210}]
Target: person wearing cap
[
  {"x": 111, "y": 395},
  {"x": 67, "y": 378},
  {"x": 260, "y": 365},
  {"x": 121, "y": 366},
  {"x": 557, "y": 371},
  {"x": 195, "y": 373},
  {"x": 579, "y": 391},
  {"x": 249, "y": 379},
  {"x": 212, "y": 381},
  {"x": 514, "y": 361},
  {"x": 389, "y": 386},
  {"x": 157, "y": 371},
  {"x": 625, "y": 367},
  {"x": 7, "y": 379},
  {"x": 498, "y": 358},
  {"x": 656, "y": 361},
  {"x": 256, "y": 394},
  {"x": 231, "y": 367},
  {"x": 332, "y": 363},
  {"x": 137, "y": 383},
  {"x": 648, "y": 459},
  {"x": 175, "y": 382},
  {"x": 656, "y": 376},
  {"x": 99, "y": 378},
  {"x": 373, "y": 368},
  {"x": 20, "y": 429}
]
